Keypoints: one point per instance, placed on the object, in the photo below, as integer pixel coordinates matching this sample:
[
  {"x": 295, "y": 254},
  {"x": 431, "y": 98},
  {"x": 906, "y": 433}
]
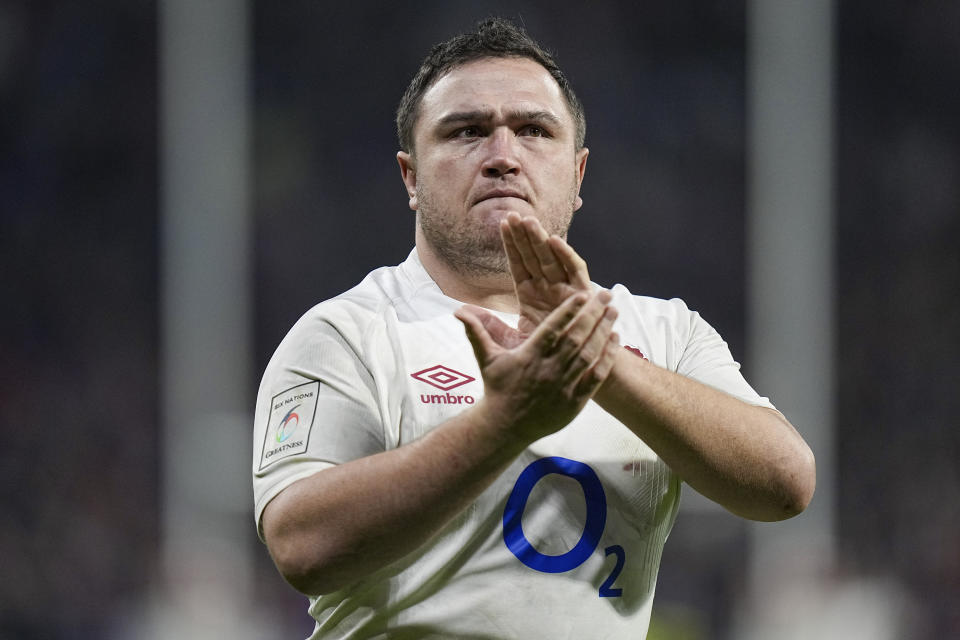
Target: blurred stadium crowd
[{"x": 664, "y": 89}]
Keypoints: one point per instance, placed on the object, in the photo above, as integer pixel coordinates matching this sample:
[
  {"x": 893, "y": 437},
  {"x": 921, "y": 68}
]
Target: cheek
[
  {"x": 443, "y": 171},
  {"x": 560, "y": 179}
]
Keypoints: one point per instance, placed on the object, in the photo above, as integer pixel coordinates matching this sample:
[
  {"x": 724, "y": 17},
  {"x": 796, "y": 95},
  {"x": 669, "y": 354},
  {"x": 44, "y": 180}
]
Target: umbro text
[{"x": 448, "y": 398}]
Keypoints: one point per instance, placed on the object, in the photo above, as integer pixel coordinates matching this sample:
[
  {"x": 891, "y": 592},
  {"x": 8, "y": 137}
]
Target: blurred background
[{"x": 126, "y": 410}]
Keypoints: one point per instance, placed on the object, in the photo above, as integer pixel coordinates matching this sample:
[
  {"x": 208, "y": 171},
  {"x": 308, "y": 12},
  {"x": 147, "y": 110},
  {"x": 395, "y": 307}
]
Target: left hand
[{"x": 545, "y": 269}]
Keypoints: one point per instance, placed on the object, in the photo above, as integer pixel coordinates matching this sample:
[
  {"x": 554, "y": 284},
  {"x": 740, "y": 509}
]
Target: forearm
[
  {"x": 346, "y": 522},
  {"x": 748, "y": 459}
]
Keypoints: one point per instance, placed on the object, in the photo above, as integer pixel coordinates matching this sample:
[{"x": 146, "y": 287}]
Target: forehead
[{"x": 496, "y": 84}]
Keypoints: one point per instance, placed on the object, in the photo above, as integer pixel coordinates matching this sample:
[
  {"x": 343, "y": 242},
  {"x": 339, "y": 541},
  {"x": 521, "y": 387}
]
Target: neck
[{"x": 493, "y": 291}]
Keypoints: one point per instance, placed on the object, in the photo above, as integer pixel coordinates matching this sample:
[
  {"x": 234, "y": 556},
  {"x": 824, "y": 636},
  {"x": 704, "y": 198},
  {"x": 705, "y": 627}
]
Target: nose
[{"x": 501, "y": 156}]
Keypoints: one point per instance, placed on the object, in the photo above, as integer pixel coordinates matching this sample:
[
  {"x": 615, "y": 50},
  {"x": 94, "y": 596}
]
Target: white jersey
[{"x": 566, "y": 543}]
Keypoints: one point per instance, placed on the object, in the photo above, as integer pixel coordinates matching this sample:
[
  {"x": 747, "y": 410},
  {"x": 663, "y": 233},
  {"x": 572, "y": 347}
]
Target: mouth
[{"x": 501, "y": 193}]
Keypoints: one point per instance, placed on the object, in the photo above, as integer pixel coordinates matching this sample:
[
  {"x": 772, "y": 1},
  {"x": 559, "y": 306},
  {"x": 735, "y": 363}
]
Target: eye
[
  {"x": 467, "y": 132},
  {"x": 534, "y": 131}
]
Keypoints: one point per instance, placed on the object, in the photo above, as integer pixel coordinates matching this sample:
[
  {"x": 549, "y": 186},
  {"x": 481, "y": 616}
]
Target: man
[{"x": 479, "y": 442}]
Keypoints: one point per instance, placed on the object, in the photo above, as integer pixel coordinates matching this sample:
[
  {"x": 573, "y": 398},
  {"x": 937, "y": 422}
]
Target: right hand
[
  {"x": 535, "y": 385},
  {"x": 545, "y": 269}
]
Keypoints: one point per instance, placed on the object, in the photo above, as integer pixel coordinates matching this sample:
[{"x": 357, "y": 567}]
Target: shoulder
[
  {"x": 660, "y": 329},
  {"x": 330, "y": 335},
  {"x": 350, "y": 314},
  {"x": 673, "y": 313}
]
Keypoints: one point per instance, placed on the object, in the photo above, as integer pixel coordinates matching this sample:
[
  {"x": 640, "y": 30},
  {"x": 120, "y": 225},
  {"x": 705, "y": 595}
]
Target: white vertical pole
[
  {"x": 205, "y": 320},
  {"x": 790, "y": 265}
]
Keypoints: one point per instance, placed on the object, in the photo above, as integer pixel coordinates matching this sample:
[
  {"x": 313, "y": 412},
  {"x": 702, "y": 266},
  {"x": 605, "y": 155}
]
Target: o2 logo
[{"x": 596, "y": 520}]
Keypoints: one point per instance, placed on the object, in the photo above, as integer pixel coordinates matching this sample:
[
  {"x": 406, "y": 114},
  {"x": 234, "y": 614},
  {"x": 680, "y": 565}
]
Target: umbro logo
[{"x": 445, "y": 379}]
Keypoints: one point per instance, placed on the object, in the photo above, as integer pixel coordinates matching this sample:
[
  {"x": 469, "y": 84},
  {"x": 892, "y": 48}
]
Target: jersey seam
[{"x": 365, "y": 339}]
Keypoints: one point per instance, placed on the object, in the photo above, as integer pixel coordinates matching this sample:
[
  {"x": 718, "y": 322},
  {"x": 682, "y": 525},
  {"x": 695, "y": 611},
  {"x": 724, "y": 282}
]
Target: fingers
[
  {"x": 537, "y": 238},
  {"x": 548, "y": 334},
  {"x": 578, "y": 336},
  {"x": 575, "y": 332},
  {"x": 574, "y": 266},
  {"x": 546, "y": 380},
  {"x": 483, "y": 345},
  {"x": 590, "y": 331},
  {"x": 587, "y": 320},
  {"x": 527, "y": 246},
  {"x": 591, "y": 379},
  {"x": 514, "y": 259},
  {"x": 499, "y": 331}
]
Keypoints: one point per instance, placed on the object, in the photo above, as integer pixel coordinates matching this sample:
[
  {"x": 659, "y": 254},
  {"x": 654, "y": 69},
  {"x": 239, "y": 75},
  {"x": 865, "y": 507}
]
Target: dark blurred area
[
  {"x": 664, "y": 89},
  {"x": 78, "y": 344}
]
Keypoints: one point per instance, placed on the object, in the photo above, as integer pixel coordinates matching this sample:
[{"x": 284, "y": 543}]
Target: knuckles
[{"x": 544, "y": 382}]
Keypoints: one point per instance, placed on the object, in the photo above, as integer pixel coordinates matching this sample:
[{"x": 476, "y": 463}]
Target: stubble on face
[
  {"x": 472, "y": 246},
  {"x": 466, "y": 156}
]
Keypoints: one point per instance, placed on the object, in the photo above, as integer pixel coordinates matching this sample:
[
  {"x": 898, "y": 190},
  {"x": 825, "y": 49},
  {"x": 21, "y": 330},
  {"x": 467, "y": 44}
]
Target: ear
[
  {"x": 581, "y": 161},
  {"x": 408, "y": 173}
]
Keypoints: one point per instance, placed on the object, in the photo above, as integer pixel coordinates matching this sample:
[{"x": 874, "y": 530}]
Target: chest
[{"x": 438, "y": 377}]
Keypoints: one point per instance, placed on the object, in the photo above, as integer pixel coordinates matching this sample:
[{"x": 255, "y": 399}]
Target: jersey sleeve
[
  {"x": 316, "y": 407},
  {"x": 705, "y": 357}
]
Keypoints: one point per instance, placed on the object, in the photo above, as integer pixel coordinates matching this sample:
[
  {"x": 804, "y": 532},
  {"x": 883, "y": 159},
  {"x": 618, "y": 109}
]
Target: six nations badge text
[{"x": 291, "y": 420}]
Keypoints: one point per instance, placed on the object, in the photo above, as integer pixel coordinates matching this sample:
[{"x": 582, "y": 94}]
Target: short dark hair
[{"x": 493, "y": 38}]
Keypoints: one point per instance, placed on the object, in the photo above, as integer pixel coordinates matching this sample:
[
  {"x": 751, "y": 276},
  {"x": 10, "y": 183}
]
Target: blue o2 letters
[{"x": 596, "y": 520}]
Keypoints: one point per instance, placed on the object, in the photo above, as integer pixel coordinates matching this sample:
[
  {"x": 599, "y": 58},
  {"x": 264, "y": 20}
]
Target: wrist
[
  {"x": 609, "y": 387},
  {"x": 496, "y": 429},
  {"x": 628, "y": 364}
]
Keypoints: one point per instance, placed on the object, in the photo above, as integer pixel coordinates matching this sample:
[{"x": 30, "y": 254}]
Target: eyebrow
[{"x": 512, "y": 116}]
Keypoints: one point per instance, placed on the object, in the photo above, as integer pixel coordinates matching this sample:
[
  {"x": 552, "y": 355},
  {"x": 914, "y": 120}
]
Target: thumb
[
  {"x": 502, "y": 334},
  {"x": 483, "y": 345}
]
